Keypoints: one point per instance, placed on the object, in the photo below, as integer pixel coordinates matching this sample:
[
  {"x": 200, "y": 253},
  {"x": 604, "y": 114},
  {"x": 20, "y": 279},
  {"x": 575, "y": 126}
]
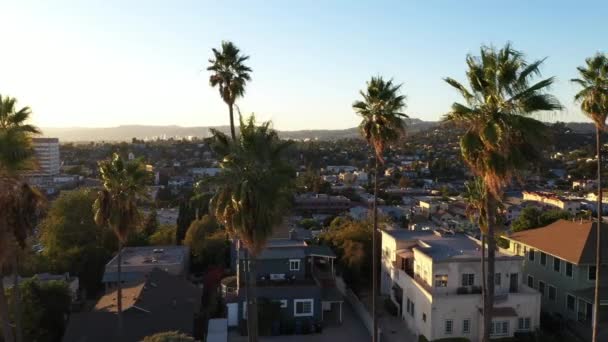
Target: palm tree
[
  {"x": 230, "y": 75},
  {"x": 116, "y": 207},
  {"x": 500, "y": 137},
  {"x": 382, "y": 123},
  {"x": 254, "y": 189},
  {"x": 593, "y": 98},
  {"x": 20, "y": 204}
]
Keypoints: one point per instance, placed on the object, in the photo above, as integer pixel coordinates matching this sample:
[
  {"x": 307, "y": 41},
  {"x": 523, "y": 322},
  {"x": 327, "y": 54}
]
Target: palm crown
[
  {"x": 254, "y": 185},
  {"x": 501, "y": 137},
  {"x": 229, "y": 72},
  {"x": 593, "y": 96},
  {"x": 15, "y": 144},
  {"x": 380, "y": 110},
  {"x": 116, "y": 203}
]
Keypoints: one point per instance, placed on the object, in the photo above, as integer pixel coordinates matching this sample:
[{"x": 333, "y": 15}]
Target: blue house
[{"x": 298, "y": 277}]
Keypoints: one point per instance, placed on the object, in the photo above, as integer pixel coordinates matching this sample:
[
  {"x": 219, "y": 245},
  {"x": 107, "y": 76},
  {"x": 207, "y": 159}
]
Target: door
[{"x": 514, "y": 282}]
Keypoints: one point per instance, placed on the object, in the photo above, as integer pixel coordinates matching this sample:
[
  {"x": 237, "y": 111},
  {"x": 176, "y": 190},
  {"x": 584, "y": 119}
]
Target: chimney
[{"x": 292, "y": 234}]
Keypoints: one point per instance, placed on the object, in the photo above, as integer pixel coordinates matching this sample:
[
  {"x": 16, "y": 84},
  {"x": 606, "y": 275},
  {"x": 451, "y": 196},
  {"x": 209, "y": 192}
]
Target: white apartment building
[
  {"x": 435, "y": 281},
  {"x": 47, "y": 155}
]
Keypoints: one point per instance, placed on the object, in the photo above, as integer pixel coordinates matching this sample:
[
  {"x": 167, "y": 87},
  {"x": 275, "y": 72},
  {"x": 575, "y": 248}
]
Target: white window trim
[
  {"x": 566, "y": 269},
  {"x": 527, "y": 280},
  {"x": 529, "y": 328},
  {"x": 468, "y": 331},
  {"x": 548, "y": 286},
  {"x": 298, "y": 261},
  {"x": 566, "y": 304},
  {"x": 445, "y": 327},
  {"x": 295, "y": 307}
]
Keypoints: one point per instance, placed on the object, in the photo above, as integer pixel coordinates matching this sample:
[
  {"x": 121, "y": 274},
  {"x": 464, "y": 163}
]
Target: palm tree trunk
[
  {"x": 252, "y": 310},
  {"x": 7, "y": 330},
  {"x": 598, "y": 243},
  {"x": 119, "y": 292},
  {"x": 488, "y": 304},
  {"x": 232, "y": 131},
  {"x": 17, "y": 298},
  {"x": 484, "y": 277},
  {"x": 375, "y": 257}
]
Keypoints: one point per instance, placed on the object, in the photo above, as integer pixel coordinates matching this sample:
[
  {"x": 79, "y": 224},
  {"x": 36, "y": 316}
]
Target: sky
[{"x": 105, "y": 63}]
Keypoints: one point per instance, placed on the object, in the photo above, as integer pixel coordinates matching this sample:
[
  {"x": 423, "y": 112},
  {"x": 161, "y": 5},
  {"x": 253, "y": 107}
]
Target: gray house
[
  {"x": 560, "y": 263},
  {"x": 298, "y": 277}
]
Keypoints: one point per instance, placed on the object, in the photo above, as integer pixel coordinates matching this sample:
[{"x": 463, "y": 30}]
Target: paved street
[{"x": 351, "y": 330}]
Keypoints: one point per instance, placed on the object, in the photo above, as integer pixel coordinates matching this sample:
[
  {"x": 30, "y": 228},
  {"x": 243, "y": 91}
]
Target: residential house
[
  {"x": 298, "y": 276},
  {"x": 560, "y": 263},
  {"x": 156, "y": 303},
  {"x": 321, "y": 203},
  {"x": 553, "y": 200},
  {"x": 137, "y": 262},
  {"x": 434, "y": 278}
]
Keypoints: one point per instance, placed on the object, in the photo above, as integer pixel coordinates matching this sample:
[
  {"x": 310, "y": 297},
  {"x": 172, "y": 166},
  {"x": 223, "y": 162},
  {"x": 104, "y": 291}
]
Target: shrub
[{"x": 421, "y": 338}]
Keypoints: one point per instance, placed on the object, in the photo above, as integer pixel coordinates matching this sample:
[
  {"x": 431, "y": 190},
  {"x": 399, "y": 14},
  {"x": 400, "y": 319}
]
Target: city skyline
[{"x": 107, "y": 64}]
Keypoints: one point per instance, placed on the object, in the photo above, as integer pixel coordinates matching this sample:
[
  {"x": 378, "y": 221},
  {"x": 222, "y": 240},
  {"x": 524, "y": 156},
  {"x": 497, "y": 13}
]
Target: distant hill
[{"x": 126, "y": 133}]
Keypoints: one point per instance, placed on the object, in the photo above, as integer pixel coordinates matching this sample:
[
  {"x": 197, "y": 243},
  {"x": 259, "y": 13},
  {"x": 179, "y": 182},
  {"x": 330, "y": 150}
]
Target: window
[
  {"x": 543, "y": 258},
  {"x": 517, "y": 248},
  {"x": 412, "y": 310},
  {"x": 499, "y": 328},
  {"x": 552, "y": 293},
  {"x": 303, "y": 307},
  {"x": 449, "y": 326},
  {"x": 466, "y": 326},
  {"x": 441, "y": 280},
  {"x": 591, "y": 275},
  {"x": 557, "y": 263},
  {"x": 530, "y": 281},
  {"x": 531, "y": 254},
  {"x": 468, "y": 279},
  {"x": 423, "y": 317},
  {"x": 570, "y": 302},
  {"x": 294, "y": 264},
  {"x": 541, "y": 288},
  {"x": 497, "y": 279},
  {"x": 568, "y": 269},
  {"x": 409, "y": 304},
  {"x": 523, "y": 323}
]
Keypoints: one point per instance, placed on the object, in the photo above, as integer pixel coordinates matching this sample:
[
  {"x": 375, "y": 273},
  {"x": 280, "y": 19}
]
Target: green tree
[
  {"x": 230, "y": 74},
  {"x": 208, "y": 244},
  {"x": 500, "y": 137},
  {"x": 73, "y": 242},
  {"x": 19, "y": 203},
  {"x": 170, "y": 336},
  {"x": 150, "y": 224},
  {"x": 116, "y": 207},
  {"x": 254, "y": 188},
  {"x": 593, "y": 98},
  {"x": 185, "y": 216},
  {"x": 165, "y": 235},
  {"x": 382, "y": 124},
  {"x": 532, "y": 217},
  {"x": 45, "y": 307}
]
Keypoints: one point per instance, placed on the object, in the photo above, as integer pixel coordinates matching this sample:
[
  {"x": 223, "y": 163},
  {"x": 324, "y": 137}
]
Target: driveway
[{"x": 351, "y": 330}]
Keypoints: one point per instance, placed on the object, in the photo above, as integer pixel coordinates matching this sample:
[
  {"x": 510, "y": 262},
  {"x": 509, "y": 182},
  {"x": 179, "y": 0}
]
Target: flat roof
[{"x": 151, "y": 255}]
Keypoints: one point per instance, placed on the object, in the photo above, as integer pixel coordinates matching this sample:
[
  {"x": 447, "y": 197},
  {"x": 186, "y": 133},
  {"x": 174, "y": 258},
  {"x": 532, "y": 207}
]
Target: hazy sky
[{"x": 105, "y": 63}]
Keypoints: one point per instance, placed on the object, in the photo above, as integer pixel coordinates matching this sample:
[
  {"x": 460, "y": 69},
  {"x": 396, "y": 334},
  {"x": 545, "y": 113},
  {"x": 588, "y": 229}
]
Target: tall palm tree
[
  {"x": 254, "y": 188},
  {"x": 501, "y": 138},
  {"x": 382, "y": 123},
  {"x": 593, "y": 98},
  {"x": 19, "y": 203},
  {"x": 230, "y": 74},
  {"x": 116, "y": 207}
]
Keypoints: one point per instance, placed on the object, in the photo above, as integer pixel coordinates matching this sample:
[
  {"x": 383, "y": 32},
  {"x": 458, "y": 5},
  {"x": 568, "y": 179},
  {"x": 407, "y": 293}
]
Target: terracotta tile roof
[{"x": 568, "y": 240}]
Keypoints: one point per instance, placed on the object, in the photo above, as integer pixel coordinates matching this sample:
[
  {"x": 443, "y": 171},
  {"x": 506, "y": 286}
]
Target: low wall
[{"x": 356, "y": 304}]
